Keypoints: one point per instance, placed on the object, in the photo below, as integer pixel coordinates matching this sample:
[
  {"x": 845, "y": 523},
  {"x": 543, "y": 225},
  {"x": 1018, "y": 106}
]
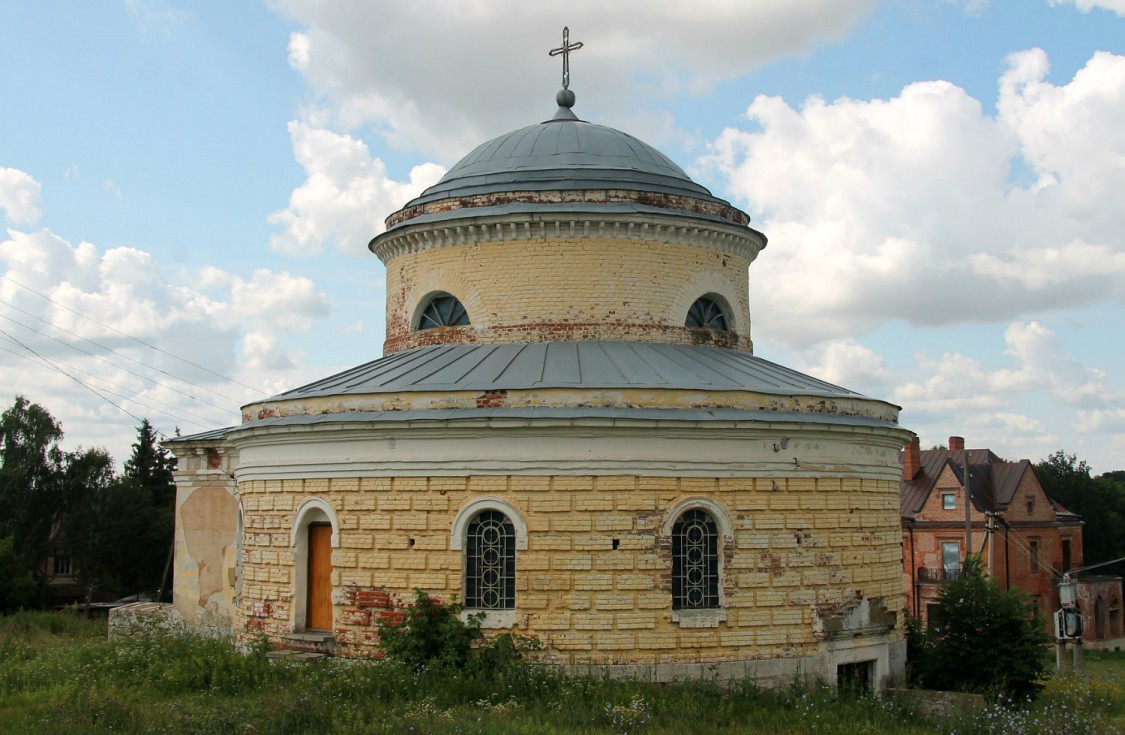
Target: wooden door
[{"x": 319, "y": 613}]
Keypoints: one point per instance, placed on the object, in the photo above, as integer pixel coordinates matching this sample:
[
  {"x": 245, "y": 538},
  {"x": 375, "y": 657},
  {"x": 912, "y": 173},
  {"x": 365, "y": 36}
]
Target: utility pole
[
  {"x": 968, "y": 502},
  {"x": 989, "y": 529}
]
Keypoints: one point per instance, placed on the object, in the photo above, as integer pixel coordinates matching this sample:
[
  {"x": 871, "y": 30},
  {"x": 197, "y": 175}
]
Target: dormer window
[
  {"x": 706, "y": 312},
  {"x": 443, "y": 310}
]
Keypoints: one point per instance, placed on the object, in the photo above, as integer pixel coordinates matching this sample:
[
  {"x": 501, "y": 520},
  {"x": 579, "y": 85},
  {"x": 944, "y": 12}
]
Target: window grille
[
  {"x": 707, "y": 313},
  {"x": 695, "y": 561},
  {"x": 443, "y": 311},
  {"x": 490, "y": 562}
]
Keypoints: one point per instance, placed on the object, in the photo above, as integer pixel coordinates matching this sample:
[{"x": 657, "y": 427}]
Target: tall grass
[{"x": 64, "y": 676}]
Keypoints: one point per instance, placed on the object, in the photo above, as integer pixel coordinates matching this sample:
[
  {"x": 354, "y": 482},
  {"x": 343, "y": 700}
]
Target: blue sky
[{"x": 942, "y": 184}]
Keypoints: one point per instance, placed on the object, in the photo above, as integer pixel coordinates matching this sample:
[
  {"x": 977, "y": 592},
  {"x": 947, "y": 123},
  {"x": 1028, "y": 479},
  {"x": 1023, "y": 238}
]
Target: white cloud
[
  {"x": 263, "y": 352},
  {"x": 345, "y": 196},
  {"x": 1020, "y": 409},
  {"x": 427, "y": 75},
  {"x": 957, "y": 381},
  {"x": 853, "y": 366},
  {"x": 1117, "y": 6},
  {"x": 110, "y": 321},
  {"x": 908, "y": 208},
  {"x": 19, "y": 196}
]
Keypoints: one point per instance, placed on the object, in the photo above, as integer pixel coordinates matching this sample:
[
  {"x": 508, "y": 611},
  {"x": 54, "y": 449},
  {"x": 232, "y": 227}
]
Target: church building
[{"x": 569, "y": 433}]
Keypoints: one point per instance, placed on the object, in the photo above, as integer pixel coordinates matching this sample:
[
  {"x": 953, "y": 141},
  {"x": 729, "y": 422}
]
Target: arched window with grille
[
  {"x": 695, "y": 561},
  {"x": 442, "y": 310},
  {"x": 490, "y": 562},
  {"x": 708, "y": 312}
]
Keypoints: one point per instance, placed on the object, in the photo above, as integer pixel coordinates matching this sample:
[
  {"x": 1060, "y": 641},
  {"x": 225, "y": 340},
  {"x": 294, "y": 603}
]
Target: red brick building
[{"x": 1024, "y": 538}]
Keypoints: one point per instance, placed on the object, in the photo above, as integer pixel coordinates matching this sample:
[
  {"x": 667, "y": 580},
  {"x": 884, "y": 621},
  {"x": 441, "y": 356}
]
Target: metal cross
[{"x": 565, "y": 50}]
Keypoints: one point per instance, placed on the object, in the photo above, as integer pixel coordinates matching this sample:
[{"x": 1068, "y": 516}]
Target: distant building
[{"x": 1025, "y": 539}]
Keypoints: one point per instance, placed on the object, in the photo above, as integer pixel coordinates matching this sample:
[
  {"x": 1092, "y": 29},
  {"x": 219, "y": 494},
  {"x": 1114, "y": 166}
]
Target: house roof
[{"x": 992, "y": 481}]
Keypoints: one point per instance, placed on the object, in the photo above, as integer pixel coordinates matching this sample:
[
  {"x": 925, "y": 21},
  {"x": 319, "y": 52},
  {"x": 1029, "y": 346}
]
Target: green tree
[
  {"x": 149, "y": 487},
  {"x": 1099, "y": 500},
  {"x": 990, "y": 640},
  {"x": 32, "y": 492},
  {"x": 152, "y": 467},
  {"x": 85, "y": 531},
  {"x": 122, "y": 528},
  {"x": 17, "y": 584}
]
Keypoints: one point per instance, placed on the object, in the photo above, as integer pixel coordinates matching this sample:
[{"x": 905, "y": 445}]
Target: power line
[
  {"x": 109, "y": 362},
  {"x": 135, "y": 339},
  {"x": 107, "y": 349},
  {"x": 146, "y": 402},
  {"x": 76, "y": 380}
]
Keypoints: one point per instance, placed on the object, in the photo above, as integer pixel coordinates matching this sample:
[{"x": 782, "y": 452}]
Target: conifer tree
[
  {"x": 151, "y": 467},
  {"x": 149, "y": 489}
]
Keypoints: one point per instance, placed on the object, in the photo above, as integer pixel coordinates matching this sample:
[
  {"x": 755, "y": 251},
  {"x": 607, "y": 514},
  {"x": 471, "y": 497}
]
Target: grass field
[{"x": 60, "y": 674}]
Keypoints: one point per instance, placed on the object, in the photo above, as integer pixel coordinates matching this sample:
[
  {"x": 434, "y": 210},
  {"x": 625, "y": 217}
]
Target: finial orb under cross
[{"x": 565, "y": 50}]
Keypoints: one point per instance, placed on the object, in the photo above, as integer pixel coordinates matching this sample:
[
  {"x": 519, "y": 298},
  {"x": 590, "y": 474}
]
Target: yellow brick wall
[
  {"x": 798, "y": 544},
  {"x": 566, "y": 289}
]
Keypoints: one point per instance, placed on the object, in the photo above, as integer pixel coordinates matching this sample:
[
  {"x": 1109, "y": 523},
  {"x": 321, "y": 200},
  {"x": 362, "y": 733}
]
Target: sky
[{"x": 187, "y": 190}]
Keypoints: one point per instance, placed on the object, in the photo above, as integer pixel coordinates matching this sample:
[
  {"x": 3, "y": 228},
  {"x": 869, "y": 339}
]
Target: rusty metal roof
[
  {"x": 591, "y": 364},
  {"x": 992, "y": 481}
]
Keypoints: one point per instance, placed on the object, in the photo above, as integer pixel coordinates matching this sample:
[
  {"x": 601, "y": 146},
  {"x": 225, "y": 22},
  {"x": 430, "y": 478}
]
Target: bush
[
  {"x": 430, "y": 635},
  {"x": 990, "y": 640}
]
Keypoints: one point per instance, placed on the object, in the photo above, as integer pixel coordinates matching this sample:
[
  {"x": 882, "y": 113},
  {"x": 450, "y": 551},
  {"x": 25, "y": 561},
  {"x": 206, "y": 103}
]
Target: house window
[
  {"x": 1030, "y": 501},
  {"x": 951, "y": 558},
  {"x": 1066, "y": 555},
  {"x": 933, "y": 615},
  {"x": 443, "y": 310},
  {"x": 706, "y": 312},
  {"x": 64, "y": 566},
  {"x": 948, "y": 501},
  {"x": 490, "y": 562},
  {"x": 1033, "y": 555},
  {"x": 695, "y": 561}
]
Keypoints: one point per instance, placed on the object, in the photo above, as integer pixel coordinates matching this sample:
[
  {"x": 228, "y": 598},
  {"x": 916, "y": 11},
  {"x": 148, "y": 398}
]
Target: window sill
[
  {"x": 708, "y": 618},
  {"x": 492, "y": 619}
]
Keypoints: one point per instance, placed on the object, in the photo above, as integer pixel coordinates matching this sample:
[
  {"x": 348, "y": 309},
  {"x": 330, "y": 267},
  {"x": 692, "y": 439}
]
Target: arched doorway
[
  {"x": 318, "y": 600},
  {"x": 314, "y": 535}
]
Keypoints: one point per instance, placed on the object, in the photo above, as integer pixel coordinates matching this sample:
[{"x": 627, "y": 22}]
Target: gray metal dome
[{"x": 564, "y": 154}]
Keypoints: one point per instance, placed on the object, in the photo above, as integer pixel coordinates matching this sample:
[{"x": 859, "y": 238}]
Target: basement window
[{"x": 855, "y": 678}]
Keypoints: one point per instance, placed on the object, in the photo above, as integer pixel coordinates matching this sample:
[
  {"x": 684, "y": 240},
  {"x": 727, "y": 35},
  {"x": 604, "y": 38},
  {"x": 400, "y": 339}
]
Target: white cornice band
[{"x": 469, "y": 230}]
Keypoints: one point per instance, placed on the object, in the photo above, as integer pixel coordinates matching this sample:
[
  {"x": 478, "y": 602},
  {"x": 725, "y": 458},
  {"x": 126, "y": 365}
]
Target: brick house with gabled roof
[{"x": 1024, "y": 538}]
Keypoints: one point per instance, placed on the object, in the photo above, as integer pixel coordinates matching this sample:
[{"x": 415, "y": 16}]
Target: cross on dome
[{"x": 565, "y": 50}]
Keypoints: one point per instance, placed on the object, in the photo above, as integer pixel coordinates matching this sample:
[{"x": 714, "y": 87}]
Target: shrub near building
[{"x": 989, "y": 640}]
